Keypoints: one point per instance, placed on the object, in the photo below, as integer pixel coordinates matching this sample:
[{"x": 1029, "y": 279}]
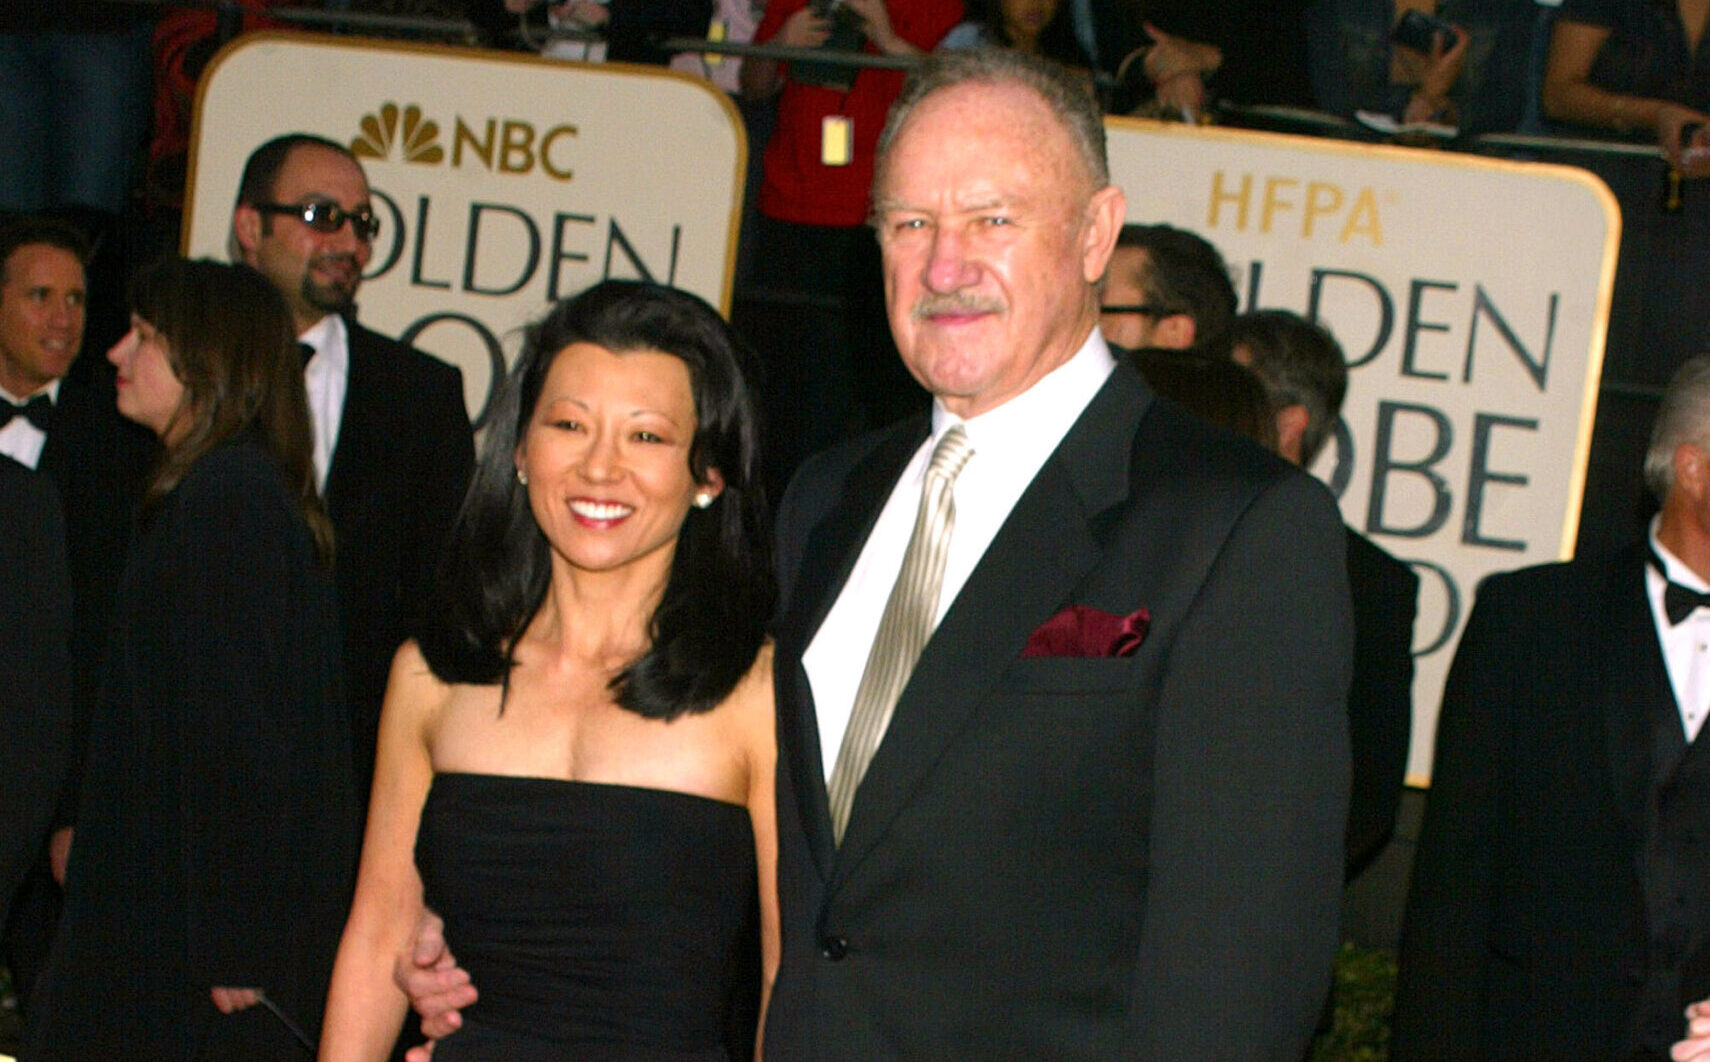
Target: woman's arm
[
  {"x": 364, "y": 1009},
  {"x": 760, "y": 716},
  {"x": 1570, "y": 96}
]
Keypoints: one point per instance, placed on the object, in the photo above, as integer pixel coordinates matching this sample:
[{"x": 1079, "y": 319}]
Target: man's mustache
[{"x": 954, "y": 303}]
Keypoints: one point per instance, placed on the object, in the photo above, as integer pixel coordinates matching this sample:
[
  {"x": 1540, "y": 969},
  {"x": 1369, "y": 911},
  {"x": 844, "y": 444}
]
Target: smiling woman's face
[{"x": 606, "y": 456}]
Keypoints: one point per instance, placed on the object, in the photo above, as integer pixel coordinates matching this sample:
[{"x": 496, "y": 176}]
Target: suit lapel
[
  {"x": 71, "y": 416},
  {"x": 1636, "y": 693},
  {"x": 1014, "y": 586},
  {"x": 829, "y": 555},
  {"x": 349, "y": 463}
]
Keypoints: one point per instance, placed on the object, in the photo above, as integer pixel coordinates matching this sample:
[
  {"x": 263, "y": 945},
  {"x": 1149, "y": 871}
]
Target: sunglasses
[
  {"x": 1145, "y": 309},
  {"x": 323, "y": 216}
]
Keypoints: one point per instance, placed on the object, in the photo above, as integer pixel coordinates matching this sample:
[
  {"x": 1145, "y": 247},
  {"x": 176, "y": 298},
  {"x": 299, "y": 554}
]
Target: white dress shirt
[
  {"x": 1010, "y": 443},
  {"x": 1685, "y": 645},
  {"x": 326, "y": 378},
  {"x": 19, "y": 439}
]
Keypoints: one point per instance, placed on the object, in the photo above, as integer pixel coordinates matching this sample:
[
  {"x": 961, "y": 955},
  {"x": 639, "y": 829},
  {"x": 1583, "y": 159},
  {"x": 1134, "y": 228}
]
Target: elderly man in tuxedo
[
  {"x": 1560, "y": 905},
  {"x": 1060, "y": 668},
  {"x": 393, "y": 450}
]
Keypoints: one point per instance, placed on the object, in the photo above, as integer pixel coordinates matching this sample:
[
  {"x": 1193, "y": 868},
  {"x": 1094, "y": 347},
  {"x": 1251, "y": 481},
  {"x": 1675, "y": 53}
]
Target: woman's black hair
[{"x": 496, "y": 570}]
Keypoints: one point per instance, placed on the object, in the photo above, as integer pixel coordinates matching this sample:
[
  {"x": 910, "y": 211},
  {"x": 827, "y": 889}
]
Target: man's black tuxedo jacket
[
  {"x": 1380, "y": 700},
  {"x": 35, "y": 638},
  {"x": 1078, "y": 858},
  {"x": 1563, "y": 833},
  {"x": 399, "y": 469}
]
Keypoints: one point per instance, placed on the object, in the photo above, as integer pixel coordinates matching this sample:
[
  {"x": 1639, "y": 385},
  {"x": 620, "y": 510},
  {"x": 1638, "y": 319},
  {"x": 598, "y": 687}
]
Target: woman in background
[
  {"x": 1037, "y": 27},
  {"x": 216, "y": 838}
]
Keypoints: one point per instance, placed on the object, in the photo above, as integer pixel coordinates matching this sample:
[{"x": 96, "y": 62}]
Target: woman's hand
[
  {"x": 1696, "y": 1046},
  {"x": 232, "y": 1000},
  {"x": 1433, "y": 74},
  {"x": 876, "y": 25},
  {"x": 1691, "y": 157},
  {"x": 1177, "y": 69},
  {"x": 582, "y": 13},
  {"x": 804, "y": 29},
  {"x": 59, "y": 852}
]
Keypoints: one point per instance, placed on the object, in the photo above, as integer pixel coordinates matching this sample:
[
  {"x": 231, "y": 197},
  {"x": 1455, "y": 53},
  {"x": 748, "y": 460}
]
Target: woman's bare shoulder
[
  {"x": 752, "y": 698},
  {"x": 413, "y": 689}
]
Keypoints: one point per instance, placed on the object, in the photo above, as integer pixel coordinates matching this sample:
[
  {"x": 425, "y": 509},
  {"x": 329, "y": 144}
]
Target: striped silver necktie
[{"x": 910, "y": 614}]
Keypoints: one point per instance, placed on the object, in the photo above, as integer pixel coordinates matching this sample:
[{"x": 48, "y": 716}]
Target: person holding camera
[
  {"x": 1456, "y": 64},
  {"x": 815, "y": 306}
]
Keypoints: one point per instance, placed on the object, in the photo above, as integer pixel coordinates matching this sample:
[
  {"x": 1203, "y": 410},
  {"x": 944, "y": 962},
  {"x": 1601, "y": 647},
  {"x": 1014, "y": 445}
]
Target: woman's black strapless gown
[{"x": 599, "y": 923}]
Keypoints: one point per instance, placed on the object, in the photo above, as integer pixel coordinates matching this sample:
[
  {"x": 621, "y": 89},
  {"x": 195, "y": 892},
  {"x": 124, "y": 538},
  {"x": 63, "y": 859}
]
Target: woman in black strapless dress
[{"x": 576, "y": 755}]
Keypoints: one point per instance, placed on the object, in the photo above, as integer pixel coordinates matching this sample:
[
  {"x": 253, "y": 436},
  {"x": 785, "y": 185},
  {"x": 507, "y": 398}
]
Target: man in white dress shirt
[{"x": 393, "y": 449}]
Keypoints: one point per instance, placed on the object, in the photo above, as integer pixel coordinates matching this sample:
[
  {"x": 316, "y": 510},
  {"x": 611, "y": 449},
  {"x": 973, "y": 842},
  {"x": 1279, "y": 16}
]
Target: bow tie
[
  {"x": 38, "y": 411},
  {"x": 1679, "y": 601}
]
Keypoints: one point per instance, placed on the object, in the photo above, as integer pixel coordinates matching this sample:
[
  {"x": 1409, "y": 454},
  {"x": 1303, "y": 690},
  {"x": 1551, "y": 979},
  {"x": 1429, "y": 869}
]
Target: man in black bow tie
[
  {"x": 1560, "y": 904},
  {"x": 96, "y": 459}
]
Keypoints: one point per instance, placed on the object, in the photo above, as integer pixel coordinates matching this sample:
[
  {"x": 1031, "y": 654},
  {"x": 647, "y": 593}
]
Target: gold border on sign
[{"x": 476, "y": 55}]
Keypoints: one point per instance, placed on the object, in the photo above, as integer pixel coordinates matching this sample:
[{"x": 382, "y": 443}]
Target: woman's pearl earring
[
  {"x": 522, "y": 477},
  {"x": 703, "y": 499}
]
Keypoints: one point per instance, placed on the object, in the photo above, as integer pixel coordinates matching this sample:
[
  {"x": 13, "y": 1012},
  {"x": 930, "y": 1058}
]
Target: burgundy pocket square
[{"x": 1090, "y": 632}]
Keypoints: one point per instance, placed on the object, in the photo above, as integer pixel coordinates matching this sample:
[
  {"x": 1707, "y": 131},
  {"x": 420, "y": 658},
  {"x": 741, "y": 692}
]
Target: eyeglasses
[
  {"x": 1145, "y": 309},
  {"x": 324, "y": 216}
]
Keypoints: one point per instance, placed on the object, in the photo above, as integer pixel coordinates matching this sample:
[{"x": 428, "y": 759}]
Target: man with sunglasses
[
  {"x": 1166, "y": 287},
  {"x": 393, "y": 449}
]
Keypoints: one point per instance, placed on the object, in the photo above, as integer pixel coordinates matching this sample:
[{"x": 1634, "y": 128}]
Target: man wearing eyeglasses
[
  {"x": 1166, "y": 287},
  {"x": 393, "y": 450}
]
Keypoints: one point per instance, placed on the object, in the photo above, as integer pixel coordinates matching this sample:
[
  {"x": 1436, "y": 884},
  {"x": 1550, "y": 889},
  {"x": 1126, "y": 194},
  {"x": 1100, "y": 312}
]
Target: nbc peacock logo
[
  {"x": 416, "y": 138},
  {"x": 509, "y": 146}
]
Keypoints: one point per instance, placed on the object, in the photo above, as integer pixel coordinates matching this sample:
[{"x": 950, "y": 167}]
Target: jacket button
[{"x": 833, "y": 947}]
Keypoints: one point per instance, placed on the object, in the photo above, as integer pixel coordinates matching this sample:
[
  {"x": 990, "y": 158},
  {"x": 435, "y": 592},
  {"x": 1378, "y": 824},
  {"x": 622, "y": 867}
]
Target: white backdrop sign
[
  {"x": 1470, "y": 297},
  {"x": 502, "y": 182}
]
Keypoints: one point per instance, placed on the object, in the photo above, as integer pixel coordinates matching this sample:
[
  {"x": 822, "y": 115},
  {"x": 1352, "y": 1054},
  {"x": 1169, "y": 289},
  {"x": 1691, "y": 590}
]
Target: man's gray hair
[
  {"x": 1683, "y": 418},
  {"x": 1068, "y": 97},
  {"x": 1300, "y": 363}
]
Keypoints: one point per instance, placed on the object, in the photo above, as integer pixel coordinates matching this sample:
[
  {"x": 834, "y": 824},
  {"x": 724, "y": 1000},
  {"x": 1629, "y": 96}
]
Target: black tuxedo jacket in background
[
  {"x": 1380, "y": 700},
  {"x": 35, "y": 699},
  {"x": 1562, "y": 882},
  {"x": 99, "y": 462},
  {"x": 399, "y": 469},
  {"x": 1127, "y": 858}
]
